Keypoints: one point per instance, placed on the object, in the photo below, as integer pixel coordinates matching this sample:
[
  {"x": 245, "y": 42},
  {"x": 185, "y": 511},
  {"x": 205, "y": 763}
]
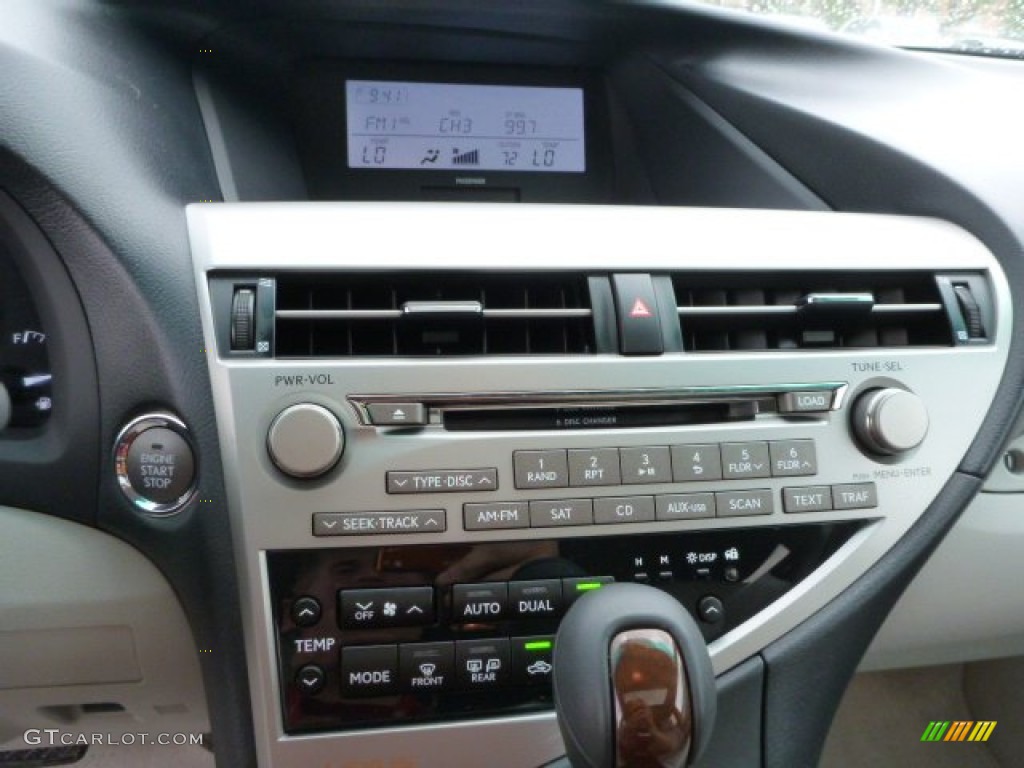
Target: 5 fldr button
[{"x": 381, "y": 608}]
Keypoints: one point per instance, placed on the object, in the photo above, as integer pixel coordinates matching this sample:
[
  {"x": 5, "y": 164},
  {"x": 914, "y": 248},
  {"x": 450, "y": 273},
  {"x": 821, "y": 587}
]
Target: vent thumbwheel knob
[
  {"x": 305, "y": 441},
  {"x": 890, "y": 421}
]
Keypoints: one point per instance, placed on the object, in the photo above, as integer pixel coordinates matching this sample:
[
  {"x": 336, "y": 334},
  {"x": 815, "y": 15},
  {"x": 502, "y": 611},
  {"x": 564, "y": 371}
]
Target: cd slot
[{"x": 607, "y": 416}]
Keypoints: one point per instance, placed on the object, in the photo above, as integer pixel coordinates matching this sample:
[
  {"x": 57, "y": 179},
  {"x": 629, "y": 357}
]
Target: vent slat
[
  {"x": 751, "y": 311},
  {"x": 427, "y": 314}
]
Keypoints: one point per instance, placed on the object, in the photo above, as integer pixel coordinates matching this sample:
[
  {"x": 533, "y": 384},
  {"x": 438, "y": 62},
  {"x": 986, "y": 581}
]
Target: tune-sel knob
[
  {"x": 305, "y": 440},
  {"x": 890, "y": 421}
]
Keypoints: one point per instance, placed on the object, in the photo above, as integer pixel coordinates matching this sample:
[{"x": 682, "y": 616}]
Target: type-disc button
[{"x": 443, "y": 481}]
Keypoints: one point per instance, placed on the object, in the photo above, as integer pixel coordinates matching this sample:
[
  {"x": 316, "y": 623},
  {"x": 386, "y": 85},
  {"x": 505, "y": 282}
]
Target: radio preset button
[
  {"x": 741, "y": 503},
  {"x": 538, "y": 599},
  {"x": 372, "y": 523},
  {"x": 369, "y": 670},
  {"x": 548, "y": 514},
  {"x": 684, "y": 506},
  {"x": 855, "y": 496},
  {"x": 812, "y": 498},
  {"x": 495, "y": 515},
  {"x": 743, "y": 461},
  {"x": 624, "y": 509},
  {"x": 701, "y": 461},
  {"x": 646, "y": 465},
  {"x": 385, "y": 608},
  {"x": 793, "y": 458},
  {"x": 541, "y": 469},
  {"x": 475, "y": 603},
  {"x": 442, "y": 481},
  {"x": 599, "y": 466}
]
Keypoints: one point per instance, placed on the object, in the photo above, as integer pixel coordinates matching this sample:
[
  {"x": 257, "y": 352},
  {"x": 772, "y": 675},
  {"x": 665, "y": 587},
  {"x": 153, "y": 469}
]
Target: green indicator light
[
  {"x": 586, "y": 586},
  {"x": 538, "y": 645}
]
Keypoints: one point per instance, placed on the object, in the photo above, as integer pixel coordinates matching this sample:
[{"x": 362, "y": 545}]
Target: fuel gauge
[{"x": 25, "y": 377}]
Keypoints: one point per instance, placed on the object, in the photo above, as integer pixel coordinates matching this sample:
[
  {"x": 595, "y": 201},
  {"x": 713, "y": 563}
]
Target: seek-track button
[{"x": 372, "y": 523}]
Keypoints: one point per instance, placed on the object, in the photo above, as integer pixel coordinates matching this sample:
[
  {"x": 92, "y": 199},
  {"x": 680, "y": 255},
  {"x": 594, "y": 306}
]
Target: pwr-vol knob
[
  {"x": 890, "y": 421},
  {"x": 305, "y": 441}
]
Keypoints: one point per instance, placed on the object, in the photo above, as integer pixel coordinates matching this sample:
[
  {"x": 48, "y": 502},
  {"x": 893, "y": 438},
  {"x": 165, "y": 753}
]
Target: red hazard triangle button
[{"x": 639, "y": 309}]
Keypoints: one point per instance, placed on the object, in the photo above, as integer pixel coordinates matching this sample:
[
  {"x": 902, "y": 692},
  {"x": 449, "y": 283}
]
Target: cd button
[{"x": 625, "y": 509}]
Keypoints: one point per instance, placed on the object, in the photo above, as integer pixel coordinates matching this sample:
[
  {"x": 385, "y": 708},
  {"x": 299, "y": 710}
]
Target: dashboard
[{"x": 344, "y": 348}]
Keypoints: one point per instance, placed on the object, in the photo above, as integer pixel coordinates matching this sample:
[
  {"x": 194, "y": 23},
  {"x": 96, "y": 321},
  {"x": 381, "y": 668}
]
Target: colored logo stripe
[
  {"x": 982, "y": 730},
  {"x": 935, "y": 730},
  {"x": 959, "y": 730}
]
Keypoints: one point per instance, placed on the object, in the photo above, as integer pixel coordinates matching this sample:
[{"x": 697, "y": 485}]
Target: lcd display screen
[{"x": 461, "y": 127}]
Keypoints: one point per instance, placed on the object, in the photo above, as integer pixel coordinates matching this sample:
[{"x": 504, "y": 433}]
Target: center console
[{"x": 443, "y": 424}]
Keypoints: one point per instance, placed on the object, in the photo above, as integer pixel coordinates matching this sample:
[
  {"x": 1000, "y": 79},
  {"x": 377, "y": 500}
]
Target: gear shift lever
[{"x": 633, "y": 682}]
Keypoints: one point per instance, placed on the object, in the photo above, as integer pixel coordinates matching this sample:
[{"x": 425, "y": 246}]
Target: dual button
[{"x": 534, "y": 599}]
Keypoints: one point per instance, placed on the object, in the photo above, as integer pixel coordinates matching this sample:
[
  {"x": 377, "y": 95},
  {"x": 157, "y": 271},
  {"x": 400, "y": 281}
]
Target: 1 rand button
[{"x": 541, "y": 469}]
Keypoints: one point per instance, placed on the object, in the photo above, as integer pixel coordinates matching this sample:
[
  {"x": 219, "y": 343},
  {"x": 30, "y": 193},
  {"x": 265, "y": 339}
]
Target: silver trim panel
[{"x": 268, "y": 513}]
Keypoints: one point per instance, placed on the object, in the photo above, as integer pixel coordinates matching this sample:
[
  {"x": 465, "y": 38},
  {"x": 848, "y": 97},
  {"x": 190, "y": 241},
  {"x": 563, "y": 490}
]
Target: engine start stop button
[{"x": 156, "y": 464}]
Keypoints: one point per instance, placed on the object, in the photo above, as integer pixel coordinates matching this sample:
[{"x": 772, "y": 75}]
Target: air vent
[
  {"x": 810, "y": 310},
  {"x": 433, "y": 314}
]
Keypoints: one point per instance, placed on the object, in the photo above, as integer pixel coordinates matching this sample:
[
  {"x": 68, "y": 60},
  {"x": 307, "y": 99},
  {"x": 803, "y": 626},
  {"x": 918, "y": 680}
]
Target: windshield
[{"x": 988, "y": 27}]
